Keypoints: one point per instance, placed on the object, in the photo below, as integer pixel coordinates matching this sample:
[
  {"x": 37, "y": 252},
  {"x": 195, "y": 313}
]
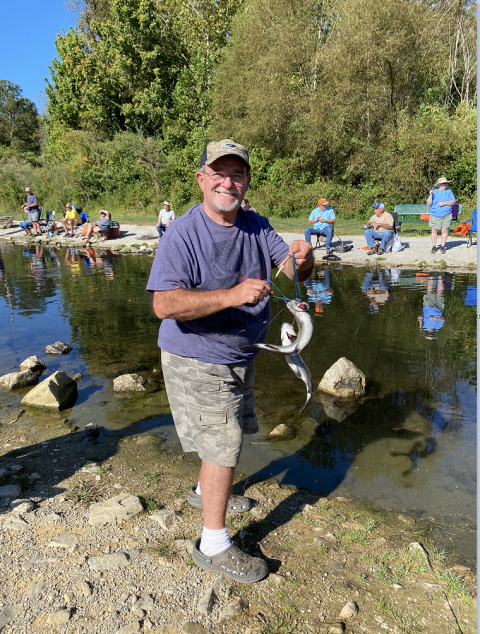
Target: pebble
[
  {"x": 337, "y": 568},
  {"x": 130, "y": 628},
  {"x": 192, "y": 628},
  {"x": 22, "y": 506},
  {"x": 35, "y": 590},
  {"x": 144, "y": 603},
  {"x": 108, "y": 562},
  {"x": 280, "y": 430},
  {"x": 35, "y": 476},
  {"x": 8, "y": 614},
  {"x": 10, "y": 491},
  {"x": 234, "y": 607},
  {"x": 168, "y": 520},
  {"x": 205, "y": 603},
  {"x": 336, "y": 628},
  {"x": 59, "y": 617},
  {"x": 82, "y": 587},
  {"x": 349, "y": 610},
  {"x": 66, "y": 540},
  {"x": 115, "y": 510},
  {"x": 15, "y": 523}
]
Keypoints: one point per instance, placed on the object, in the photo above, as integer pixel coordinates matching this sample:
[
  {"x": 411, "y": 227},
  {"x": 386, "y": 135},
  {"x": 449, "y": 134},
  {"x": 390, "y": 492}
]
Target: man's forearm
[{"x": 185, "y": 304}]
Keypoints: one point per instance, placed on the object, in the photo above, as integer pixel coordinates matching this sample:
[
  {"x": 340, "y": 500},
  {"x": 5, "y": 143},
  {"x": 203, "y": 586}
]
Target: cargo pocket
[
  {"x": 209, "y": 429},
  {"x": 202, "y": 394}
]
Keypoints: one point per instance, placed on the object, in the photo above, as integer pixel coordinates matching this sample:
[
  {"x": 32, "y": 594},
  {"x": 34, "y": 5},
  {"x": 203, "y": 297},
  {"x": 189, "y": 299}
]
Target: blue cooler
[{"x": 84, "y": 217}]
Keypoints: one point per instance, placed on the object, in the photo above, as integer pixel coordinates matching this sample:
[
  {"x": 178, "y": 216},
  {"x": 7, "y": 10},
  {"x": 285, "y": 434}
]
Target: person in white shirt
[{"x": 165, "y": 218}]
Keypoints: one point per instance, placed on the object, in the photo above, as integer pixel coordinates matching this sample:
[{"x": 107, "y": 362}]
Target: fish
[
  {"x": 296, "y": 363},
  {"x": 305, "y": 331}
]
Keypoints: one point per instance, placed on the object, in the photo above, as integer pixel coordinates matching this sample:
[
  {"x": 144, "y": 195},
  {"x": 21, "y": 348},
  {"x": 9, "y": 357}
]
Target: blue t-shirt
[
  {"x": 32, "y": 200},
  {"x": 439, "y": 196},
  {"x": 432, "y": 324},
  {"x": 328, "y": 214},
  {"x": 198, "y": 253}
]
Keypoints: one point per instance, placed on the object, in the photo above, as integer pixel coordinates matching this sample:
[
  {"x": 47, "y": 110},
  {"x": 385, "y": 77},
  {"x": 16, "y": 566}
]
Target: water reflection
[{"x": 376, "y": 289}]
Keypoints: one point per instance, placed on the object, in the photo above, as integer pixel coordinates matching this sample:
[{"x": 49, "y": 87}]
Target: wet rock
[
  {"x": 337, "y": 408},
  {"x": 66, "y": 540},
  {"x": 169, "y": 520},
  {"x": 32, "y": 363},
  {"x": 16, "y": 468},
  {"x": 58, "y": 392},
  {"x": 205, "y": 603},
  {"x": 280, "y": 430},
  {"x": 130, "y": 383},
  {"x": 130, "y": 628},
  {"x": 8, "y": 614},
  {"x": 343, "y": 379},
  {"x": 115, "y": 510},
  {"x": 147, "y": 440},
  {"x": 109, "y": 562},
  {"x": 59, "y": 617},
  {"x": 58, "y": 348},
  {"x": 193, "y": 628},
  {"x": 35, "y": 476},
  {"x": 77, "y": 377},
  {"x": 144, "y": 603},
  {"x": 22, "y": 506},
  {"x": 233, "y": 608},
  {"x": 35, "y": 590},
  {"x": 10, "y": 491},
  {"x": 92, "y": 431},
  {"x": 349, "y": 610},
  {"x": 15, "y": 380}
]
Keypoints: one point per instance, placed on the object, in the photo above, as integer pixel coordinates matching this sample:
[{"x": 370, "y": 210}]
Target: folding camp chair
[
  {"x": 396, "y": 228},
  {"x": 321, "y": 241},
  {"x": 472, "y": 230}
]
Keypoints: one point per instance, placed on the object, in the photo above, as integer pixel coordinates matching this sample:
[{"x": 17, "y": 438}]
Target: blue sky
[{"x": 29, "y": 29}]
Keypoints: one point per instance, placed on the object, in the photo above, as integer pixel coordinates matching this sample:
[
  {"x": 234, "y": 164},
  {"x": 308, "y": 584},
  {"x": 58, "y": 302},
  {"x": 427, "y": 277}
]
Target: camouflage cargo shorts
[{"x": 212, "y": 406}]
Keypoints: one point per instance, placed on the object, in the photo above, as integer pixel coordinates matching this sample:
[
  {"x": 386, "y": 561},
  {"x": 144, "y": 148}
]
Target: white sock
[
  {"x": 213, "y": 542},
  {"x": 197, "y": 490}
]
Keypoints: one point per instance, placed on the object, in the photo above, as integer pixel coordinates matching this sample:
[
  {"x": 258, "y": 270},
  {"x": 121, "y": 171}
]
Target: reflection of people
[
  {"x": 322, "y": 218},
  {"x": 376, "y": 290},
  {"x": 102, "y": 226},
  {"x": 214, "y": 300},
  {"x": 165, "y": 218},
  {"x": 380, "y": 226},
  {"x": 320, "y": 290},
  {"x": 70, "y": 220},
  {"x": 433, "y": 306},
  {"x": 33, "y": 210},
  {"x": 440, "y": 201}
]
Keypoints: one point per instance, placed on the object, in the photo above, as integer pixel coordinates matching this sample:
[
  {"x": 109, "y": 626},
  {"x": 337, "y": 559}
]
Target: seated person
[
  {"x": 322, "y": 218},
  {"x": 165, "y": 218},
  {"x": 377, "y": 291},
  {"x": 102, "y": 227},
  {"x": 380, "y": 225},
  {"x": 70, "y": 220},
  {"x": 31, "y": 207}
]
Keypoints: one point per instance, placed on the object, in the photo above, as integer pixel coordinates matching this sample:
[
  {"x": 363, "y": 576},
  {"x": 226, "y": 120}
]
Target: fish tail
[{"x": 309, "y": 396}]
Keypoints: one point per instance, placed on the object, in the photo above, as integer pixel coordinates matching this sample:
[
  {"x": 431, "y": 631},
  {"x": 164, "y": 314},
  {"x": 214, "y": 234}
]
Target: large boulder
[
  {"x": 58, "y": 348},
  {"x": 6, "y": 222},
  {"x": 343, "y": 379},
  {"x": 130, "y": 383},
  {"x": 13, "y": 380},
  {"x": 115, "y": 510},
  {"x": 32, "y": 363},
  {"x": 57, "y": 391}
]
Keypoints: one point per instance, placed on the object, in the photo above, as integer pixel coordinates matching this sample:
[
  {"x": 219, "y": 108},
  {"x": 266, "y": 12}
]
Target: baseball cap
[
  {"x": 28, "y": 189},
  {"x": 322, "y": 201},
  {"x": 226, "y": 147},
  {"x": 379, "y": 206}
]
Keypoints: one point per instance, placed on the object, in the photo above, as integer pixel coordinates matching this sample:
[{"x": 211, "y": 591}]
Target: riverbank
[
  {"x": 416, "y": 253},
  {"x": 335, "y": 563}
]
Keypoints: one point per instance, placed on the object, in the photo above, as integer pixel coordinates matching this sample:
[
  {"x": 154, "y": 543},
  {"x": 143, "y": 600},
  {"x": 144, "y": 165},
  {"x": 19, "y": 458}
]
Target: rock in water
[
  {"x": 58, "y": 348},
  {"x": 343, "y": 379},
  {"x": 92, "y": 430},
  {"x": 115, "y": 510},
  {"x": 337, "y": 408},
  {"x": 32, "y": 363},
  {"x": 130, "y": 383},
  {"x": 58, "y": 392},
  {"x": 17, "y": 379},
  {"x": 280, "y": 430}
]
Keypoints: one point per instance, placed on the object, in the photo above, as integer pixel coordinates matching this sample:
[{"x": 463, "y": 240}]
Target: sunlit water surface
[{"x": 408, "y": 445}]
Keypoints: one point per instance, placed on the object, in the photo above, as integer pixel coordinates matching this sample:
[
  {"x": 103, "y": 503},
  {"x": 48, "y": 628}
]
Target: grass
[
  {"x": 438, "y": 556},
  {"x": 358, "y": 535},
  {"x": 135, "y": 246},
  {"x": 150, "y": 478},
  {"x": 292, "y": 579},
  {"x": 404, "y": 623},
  {"x": 84, "y": 493},
  {"x": 148, "y": 504},
  {"x": 166, "y": 548},
  {"x": 237, "y": 522},
  {"x": 279, "y": 627},
  {"x": 105, "y": 469},
  {"x": 321, "y": 508},
  {"x": 281, "y": 594},
  {"x": 180, "y": 490}
]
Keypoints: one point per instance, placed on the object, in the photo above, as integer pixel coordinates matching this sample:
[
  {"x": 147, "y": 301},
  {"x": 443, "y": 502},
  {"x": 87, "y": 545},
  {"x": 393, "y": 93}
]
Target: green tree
[{"x": 19, "y": 120}]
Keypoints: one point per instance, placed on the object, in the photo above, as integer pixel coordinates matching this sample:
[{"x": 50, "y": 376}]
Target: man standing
[
  {"x": 165, "y": 218},
  {"x": 440, "y": 201},
  {"x": 31, "y": 207},
  {"x": 380, "y": 225},
  {"x": 213, "y": 298},
  {"x": 322, "y": 218}
]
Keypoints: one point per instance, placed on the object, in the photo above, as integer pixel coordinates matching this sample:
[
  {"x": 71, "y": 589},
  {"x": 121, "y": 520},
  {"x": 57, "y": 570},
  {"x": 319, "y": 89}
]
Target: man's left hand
[{"x": 303, "y": 252}]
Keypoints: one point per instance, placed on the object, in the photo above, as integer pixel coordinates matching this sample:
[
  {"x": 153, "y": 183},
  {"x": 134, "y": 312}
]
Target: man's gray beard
[{"x": 224, "y": 207}]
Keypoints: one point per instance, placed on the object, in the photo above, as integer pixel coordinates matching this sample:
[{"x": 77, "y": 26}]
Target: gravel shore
[{"x": 416, "y": 252}]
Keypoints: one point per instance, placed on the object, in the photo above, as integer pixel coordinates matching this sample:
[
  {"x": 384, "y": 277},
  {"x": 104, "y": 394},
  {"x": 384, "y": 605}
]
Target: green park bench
[{"x": 412, "y": 213}]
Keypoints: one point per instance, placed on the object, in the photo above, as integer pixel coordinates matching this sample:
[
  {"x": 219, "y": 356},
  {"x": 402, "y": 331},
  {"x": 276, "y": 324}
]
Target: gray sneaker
[
  {"x": 443, "y": 250},
  {"x": 232, "y": 563},
  {"x": 434, "y": 250},
  {"x": 236, "y": 503}
]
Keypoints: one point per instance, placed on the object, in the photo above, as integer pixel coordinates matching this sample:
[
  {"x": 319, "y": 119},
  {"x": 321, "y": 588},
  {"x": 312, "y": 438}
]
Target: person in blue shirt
[
  {"x": 322, "y": 218},
  {"x": 440, "y": 202},
  {"x": 433, "y": 307}
]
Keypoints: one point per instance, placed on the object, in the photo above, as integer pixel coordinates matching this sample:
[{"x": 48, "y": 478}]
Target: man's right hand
[{"x": 249, "y": 292}]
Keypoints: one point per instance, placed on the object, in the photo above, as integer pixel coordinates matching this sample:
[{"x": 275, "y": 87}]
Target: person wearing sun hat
[
  {"x": 322, "y": 218},
  {"x": 440, "y": 202},
  {"x": 165, "y": 218}
]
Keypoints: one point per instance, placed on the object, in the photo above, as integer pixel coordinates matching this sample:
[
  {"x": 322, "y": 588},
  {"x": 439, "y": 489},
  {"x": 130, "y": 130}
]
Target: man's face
[
  {"x": 322, "y": 207},
  {"x": 69, "y": 207},
  {"x": 223, "y": 184},
  {"x": 379, "y": 211},
  {"x": 166, "y": 207}
]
